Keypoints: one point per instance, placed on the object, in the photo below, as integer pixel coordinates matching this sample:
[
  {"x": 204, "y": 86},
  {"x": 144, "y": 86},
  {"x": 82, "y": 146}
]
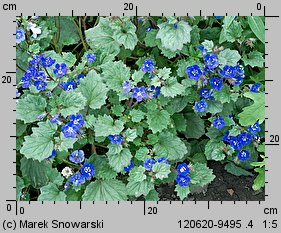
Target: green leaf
[
  {"x": 174, "y": 38},
  {"x": 21, "y": 128},
  {"x": 195, "y": 126},
  {"x": 39, "y": 144},
  {"x": 137, "y": 174},
  {"x": 229, "y": 57},
  {"x": 259, "y": 181},
  {"x": 237, "y": 171},
  {"x": 254, "y": 59},
  {"x": 20, "y": 186},
  {"x": 223, "y": 94},
  {"x": 170, "y": 146},
  {"x": 105, "y": 190},
  {"x": 254, "y": 112},
  {"x": 69, "y": 59},
  {"x": 105, "y": 126},
  {"x": 114, "y": 148},
  {"x": 93, "y": 89},
  {"x": 101, "y": 37},
  {"x": 172, "y": 88},
  {"x": 121, "y": 160},
  {"x": 208, "y": 45},
  {"x": 66, "y": 143},
  {"x": 182, "y": 191},
  {"x": 201, "y": 175},
  {"x": 136, "y": 188},
  {"x": 117, "y": 109},
  {"x": 102, "y": 168},
  {"x": 214, "y": 106},
  {"x": 55, "y": 177},
  {"x": 30, "y": 107},
  {"x": 231, "y": 33},
  {"x": 158, "y": 120},
  {"x": 137, "y": 115},
  {"x": 150, "y": 38},
  {"x": 51, "y": 193},
  {"x": 180, "y": 122},
  {"x": 68, "y": 32},
  {"x": 115, "y": 73},
  {"x": 142, "y": 154},
  {"x": 71, "y": 102},
  {"x": 257, "y": 26},
  {"x": 152, "y": 196},
  {"x": 130, "y": 134},
  {"x": 161, "y": 170},
  {"x": 199, "y": 158},
  {"x": 36, "y": 172},
  {"x": 214, "y": 150},
  {"x": 126, "y": 35}
]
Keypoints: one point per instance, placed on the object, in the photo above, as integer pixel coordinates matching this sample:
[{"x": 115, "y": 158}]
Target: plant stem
[
  {"x": 78, "y": 27},
  {"x": 50, "y": 77}
]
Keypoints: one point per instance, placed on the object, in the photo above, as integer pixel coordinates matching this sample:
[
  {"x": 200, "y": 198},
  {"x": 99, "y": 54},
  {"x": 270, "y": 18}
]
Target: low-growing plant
[{"x": 111, "y": 108}]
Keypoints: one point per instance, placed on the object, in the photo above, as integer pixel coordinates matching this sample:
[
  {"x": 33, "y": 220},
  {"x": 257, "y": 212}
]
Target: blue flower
[
  {"x": 77, "y": 156},
  {"x": 40, "y": 85},
  {"x": 130, "y": 166},
  {"x": 115, "y": 139},
  {"x": 226, "y": 137},
  {"x": 36, "y": 59},
  {"x": 148, "y": 65},
  {"x": 69, "y": 86},
  {"x": 227, "y": 72},
  {"x": 240, "y": 70},
  {"x": 154, "y": 90},
  {"x": 87, "y": 170},
  {"x": 238, "y": 80},
  {"x": 60, "y": 69},
  {"x": 148, "y": 163},
  {"x": 69, "y": 130},
  {"x": 48, "y": 61},
  {"x": 56, "y": 119},
  {"x": 66, "y": 185},
  {"x": 162, "y": 160},
  {"x": 175, "y": 26},
  {"x": 211, "y": 61},
  {"x": 40, "y": 76},
  {"x": 205, "y": 93},
  {"x": 245, "y": 138},
  {"x": 255, "y": 87},
  {"x": 216, "y": 83},
  {"x": 30, "y": 72},
  {"x": 77, "y": 179},
  {"x": 79, "y": 76},
  {"x": 194, "y": 72},
  {"x": 255, "y": 128},
  {"x": 201, "y": 106},
  {"x": 236, "y": 143},
  {"x": 148, "y": 29},
  {"x": 218, "y": 17},
  {"x": 54, "y": 153},
  {"x": 20, "y": 35},
  {"x": 127, "y": 86},
  {"x": 219, "y": 122},
  {"x": 140, "y": 19},
  {"x": 77, "y": 120},
  {"x": 91, "y": 58},
  {"x": 139, "y": 93},
  {"x": 202, "y": 49},
  {"x": 243, "y": 155},
  {"x": 26, "y": 82},
  {"x": 18, "y": 94},
  {"x": 182, "y": 180},
  {"x": 256, "y": 137},
  {"x": 183, "y": 169}
]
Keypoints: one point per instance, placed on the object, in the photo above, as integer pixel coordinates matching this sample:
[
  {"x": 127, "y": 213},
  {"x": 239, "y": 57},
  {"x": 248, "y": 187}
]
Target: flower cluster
[
  {"x": 149, "y": 162},
  {"x": 242, "y": 140},
  {"x": 87, "y": 170},
  {"x": 183, "y": 179},
  {"x": 141, "y": 93},
  {"x": 72, "y": 128},
  {"x": 210, "y": 72}
]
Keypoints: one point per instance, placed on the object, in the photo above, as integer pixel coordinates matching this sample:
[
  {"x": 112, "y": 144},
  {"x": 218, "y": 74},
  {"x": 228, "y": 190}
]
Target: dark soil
[{"x": 225, "y": 187}]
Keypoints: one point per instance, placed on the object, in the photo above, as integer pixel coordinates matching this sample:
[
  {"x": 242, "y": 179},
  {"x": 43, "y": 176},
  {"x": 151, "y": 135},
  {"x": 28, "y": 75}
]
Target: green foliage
[
  {"x": 158, "y": 117},
  {"x": 30, "y": 107}
]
